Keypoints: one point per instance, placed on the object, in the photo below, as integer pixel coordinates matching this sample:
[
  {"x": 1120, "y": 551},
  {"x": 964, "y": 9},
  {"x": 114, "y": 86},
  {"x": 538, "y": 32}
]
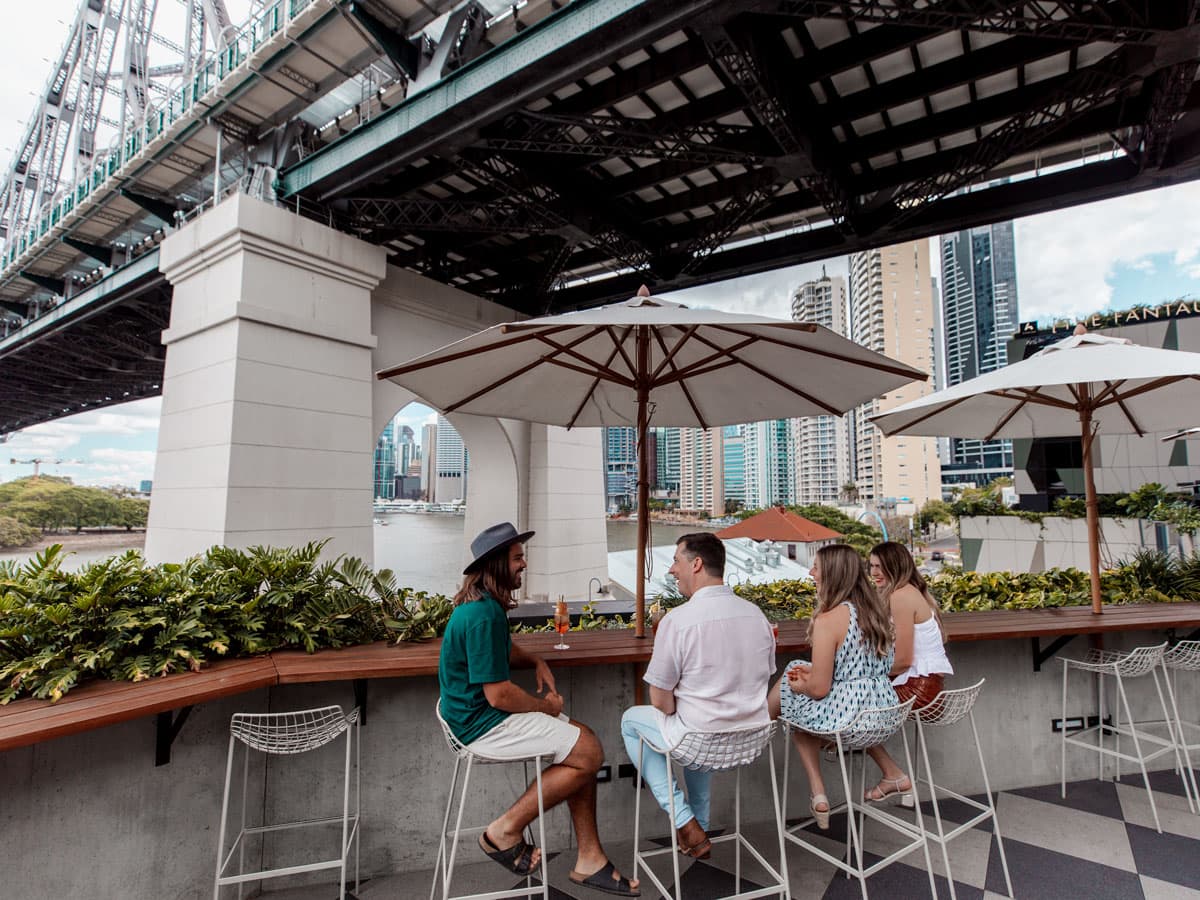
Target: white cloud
[{"x": 1066, "y": 259}]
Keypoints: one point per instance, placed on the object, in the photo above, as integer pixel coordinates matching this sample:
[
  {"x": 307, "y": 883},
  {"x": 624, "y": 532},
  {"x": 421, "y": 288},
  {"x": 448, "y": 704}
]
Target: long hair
[
  {"x": 844, "y": 579},
  {"x": 899, "y": 569},
  {"x": 491, "y": 577}
]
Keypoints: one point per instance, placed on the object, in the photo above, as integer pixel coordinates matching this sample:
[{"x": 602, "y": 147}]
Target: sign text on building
[{"x": 1173, "y": 309}]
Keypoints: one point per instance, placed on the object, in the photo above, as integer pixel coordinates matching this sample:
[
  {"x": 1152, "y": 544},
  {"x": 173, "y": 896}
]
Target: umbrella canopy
[
  {"x": 1081, "y": 385},
  {"x": 648, "y": 358}
]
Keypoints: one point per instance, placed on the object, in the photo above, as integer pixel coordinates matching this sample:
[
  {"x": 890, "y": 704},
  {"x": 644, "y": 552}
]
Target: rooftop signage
[{"x": 1172, "y": 309}]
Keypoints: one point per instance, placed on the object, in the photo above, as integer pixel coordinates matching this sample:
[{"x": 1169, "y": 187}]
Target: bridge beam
[
  {"x": 55, "y": 286},
  {"x": 102, "y": 255}
]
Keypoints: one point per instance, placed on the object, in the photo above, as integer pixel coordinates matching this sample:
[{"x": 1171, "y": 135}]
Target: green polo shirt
[{"x": 475, "y": 652}]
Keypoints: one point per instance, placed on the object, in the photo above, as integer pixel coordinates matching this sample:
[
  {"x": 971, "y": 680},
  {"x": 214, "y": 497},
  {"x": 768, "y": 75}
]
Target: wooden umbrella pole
[
  {"x": 643, "y": 480},
  {"x": 1089, "y": 488}
]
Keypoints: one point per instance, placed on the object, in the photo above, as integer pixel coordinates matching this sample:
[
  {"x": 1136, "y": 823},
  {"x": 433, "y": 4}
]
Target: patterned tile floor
[{"x": 1099, "y": 844}]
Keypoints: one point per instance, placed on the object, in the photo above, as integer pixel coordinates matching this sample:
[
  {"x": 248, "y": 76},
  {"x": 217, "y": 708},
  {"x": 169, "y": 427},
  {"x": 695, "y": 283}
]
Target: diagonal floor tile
[
  {"x": 1164, "y": 890},
  {"x": 1173, "y": 812},
  {"x": 1041, "y": 874},
  {"x": 897, "y": 880},
  {"x": 1092, "y": 837},
  {"x": 1167, "y": 857},
  {"x": 1163, "y": 781},
  {"x": 1093, "y": 796}
]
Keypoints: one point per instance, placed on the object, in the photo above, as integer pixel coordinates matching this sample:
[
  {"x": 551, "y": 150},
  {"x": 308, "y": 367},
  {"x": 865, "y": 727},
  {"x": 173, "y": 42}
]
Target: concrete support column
[
  {"x": 566, "y": 509},
  {"x": 266, "y": 434}
]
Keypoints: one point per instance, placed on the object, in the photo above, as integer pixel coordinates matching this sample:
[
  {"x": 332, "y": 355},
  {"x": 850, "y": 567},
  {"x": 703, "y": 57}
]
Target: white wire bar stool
[
  {"x": 1122, "y": 666},
  {"x": 1184, "y": 657},
  {"x": 717, "y": 751},
  {"x": 443, "y": 870},
  {"x": 288, "y": 734},
  {"x": 870, "y": 728},
  {"x": 948, "y": 708}
]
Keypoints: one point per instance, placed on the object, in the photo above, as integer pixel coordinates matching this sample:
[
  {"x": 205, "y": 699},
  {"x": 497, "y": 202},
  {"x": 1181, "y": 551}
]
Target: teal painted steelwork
[
  {"x": 97, "y": 293},
  {"x": 249, "y": 39},
  {"x": 571, "y": 23}
]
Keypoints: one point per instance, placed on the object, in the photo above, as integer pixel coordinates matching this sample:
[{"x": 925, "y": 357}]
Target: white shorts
[{"x": 528, "y": 734}]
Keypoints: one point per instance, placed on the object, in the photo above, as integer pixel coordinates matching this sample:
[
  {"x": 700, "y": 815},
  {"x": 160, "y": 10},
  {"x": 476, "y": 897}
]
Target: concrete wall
[
  {"x": 90, "y": 816},
  {"x": 1011, "y": 544}
]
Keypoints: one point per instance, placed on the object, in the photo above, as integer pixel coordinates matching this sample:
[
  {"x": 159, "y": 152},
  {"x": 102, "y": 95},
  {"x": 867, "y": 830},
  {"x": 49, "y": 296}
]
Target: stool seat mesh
[{"x": 291, "y": 732}]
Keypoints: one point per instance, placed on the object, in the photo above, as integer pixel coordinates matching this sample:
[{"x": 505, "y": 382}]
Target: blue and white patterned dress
[{"x": 861, "y": 680}]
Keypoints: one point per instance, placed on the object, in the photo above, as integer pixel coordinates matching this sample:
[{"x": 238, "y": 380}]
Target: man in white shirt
[{"x": 711, "y": 667}]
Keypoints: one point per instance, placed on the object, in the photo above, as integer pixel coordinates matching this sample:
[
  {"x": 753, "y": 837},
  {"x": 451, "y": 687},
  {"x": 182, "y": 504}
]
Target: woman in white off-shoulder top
[{"x": 920, "y": 662}]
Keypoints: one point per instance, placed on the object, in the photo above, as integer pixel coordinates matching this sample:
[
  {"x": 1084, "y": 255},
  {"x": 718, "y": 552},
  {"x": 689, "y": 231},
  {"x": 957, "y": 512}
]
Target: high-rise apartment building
[
  {"x": 892, "y": 312},
  {"x": 702, "y": 470},
  {"x": 428, "y": 461},
  {"x": 979, "y": 315},
  {"x": 385, "y": 463},
  {"x": 733, "y": 440},
  {"x": 822, "y": 443},
  {"x": 451, "y": 462},
  {"x": 770, "y": 451},
  {"x": 620, "y": 466},
  {"x": 667, "y": 459}
]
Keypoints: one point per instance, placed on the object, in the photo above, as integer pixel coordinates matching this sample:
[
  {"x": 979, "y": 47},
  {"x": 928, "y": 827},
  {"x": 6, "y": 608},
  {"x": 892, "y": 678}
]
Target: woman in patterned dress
[{"x": 852, "y": 645}]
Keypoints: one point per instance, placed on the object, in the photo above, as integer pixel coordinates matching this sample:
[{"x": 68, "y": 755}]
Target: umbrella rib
[
  {"x": 683, "y": 339},
  {"x": 1032, "y": 396},
  {"x": 462, "y": 354},
  {"x": 682, "y": 380},
  {"x": 1113, "y": 391},
  {"x": 767, "y": 375},
  {"x": 606, "y": 373},
  {"x": 619, "y": 344},
  {"x": 588, "y": 393},
  {"x": 918, "y": 421},
  {"x": 704, "y": 366},
  {"x": 545, "y": 357},
  {"x": 1007, "y": 418},
  {"x": 590, "y": 373},
  {"x": 1154, "y": 385},
  {"x": 1110, "y": 389},
  {"x": 904, "y": 372},
  {"x": 693, "y": 372}
]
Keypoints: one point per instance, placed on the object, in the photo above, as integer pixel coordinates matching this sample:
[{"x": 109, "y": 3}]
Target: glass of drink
[
  {"x": 562, "y": 624},
  {"x": 775, "y": 631}
]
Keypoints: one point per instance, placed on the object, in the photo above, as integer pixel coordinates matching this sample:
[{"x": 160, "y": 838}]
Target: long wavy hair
[
  {"x": 492, "y": 577},
  {"x": 900, "y": 569},
  {"x": 844, "y": 579}
]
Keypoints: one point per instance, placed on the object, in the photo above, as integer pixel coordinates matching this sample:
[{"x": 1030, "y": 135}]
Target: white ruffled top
[{"x": 929, "y": 653}]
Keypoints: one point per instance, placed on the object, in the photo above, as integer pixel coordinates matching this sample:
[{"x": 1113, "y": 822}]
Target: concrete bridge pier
[{"x": 271, "y": 409}]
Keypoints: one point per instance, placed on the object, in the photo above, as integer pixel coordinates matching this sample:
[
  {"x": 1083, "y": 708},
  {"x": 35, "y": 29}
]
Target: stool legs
[
  {"x": 1183, "y": 745},
  {"x": 1137, "y": 746},
  {"x": 224, "y": 819}
]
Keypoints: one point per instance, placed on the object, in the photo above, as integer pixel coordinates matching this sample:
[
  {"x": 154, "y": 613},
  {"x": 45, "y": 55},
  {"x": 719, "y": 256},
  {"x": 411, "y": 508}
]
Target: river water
[{"x": 424, "y": 550}]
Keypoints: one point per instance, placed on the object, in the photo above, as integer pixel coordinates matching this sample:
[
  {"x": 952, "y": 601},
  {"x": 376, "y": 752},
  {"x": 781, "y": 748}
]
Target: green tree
[
  {"x": 935, "y": 512},
  {"x": 132, "y": 512}
]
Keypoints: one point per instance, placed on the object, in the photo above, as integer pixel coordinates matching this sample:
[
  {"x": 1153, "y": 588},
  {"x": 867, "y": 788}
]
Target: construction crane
[{"x": 38, "y": 462}]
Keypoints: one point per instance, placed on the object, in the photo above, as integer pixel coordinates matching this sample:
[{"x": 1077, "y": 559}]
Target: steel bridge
[{"x": 554, "y": 155}]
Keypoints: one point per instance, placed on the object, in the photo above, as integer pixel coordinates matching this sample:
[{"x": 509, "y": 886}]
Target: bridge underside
[
  {"x": 679, "y": 144},
  {"x": 107, "y": 352}
]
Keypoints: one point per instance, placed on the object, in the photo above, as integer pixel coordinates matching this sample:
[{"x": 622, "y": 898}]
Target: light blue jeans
[{"x": 640, "y": 721}]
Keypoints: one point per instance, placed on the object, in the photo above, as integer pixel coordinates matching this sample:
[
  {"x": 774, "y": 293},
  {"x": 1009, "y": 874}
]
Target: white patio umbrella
[
  {"x": 1082, "y": 385},
  {"x": 650, "y": 359}
]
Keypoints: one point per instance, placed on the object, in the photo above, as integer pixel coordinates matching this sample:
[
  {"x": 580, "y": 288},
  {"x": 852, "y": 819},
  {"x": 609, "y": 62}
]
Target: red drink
[{"x": 562, "y": 627}]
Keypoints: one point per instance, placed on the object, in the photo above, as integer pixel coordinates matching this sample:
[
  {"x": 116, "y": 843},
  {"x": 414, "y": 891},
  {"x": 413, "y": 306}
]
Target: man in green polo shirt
[{"x": 495, "y": 718}]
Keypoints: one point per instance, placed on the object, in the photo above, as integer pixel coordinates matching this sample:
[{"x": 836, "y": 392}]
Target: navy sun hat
[{"x": 492, "y": 539}]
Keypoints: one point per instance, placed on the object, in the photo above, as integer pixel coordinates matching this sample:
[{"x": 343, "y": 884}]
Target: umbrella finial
[
  {"x": 1080, "y": 328},
  {"x": 643, "y": 291}
]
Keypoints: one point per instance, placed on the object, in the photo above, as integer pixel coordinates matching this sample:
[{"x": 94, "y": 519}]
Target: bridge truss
[{"x": 553, "y": 155}]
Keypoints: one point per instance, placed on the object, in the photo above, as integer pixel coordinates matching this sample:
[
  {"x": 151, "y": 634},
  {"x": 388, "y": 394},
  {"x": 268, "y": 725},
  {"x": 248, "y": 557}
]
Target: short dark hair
[{"x": 708, "y": 547}]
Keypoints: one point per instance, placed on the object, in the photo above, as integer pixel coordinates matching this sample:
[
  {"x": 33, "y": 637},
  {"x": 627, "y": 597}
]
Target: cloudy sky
[{"x": 1115, "y": 254}]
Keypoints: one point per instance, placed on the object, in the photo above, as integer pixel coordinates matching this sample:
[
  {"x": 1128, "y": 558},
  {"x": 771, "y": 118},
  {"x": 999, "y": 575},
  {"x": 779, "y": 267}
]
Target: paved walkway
[{"x": 1099, "y": 843}]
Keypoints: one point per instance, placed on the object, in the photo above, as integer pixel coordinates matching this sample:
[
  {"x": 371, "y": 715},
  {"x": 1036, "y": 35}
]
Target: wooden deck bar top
[{"x": 97, "y": 704}]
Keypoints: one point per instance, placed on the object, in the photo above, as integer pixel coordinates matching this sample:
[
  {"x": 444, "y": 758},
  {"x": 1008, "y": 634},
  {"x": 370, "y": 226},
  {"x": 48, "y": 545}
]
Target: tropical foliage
[
  {"x": 15, "y": 533},
  {"x": 123, "y": 619}
]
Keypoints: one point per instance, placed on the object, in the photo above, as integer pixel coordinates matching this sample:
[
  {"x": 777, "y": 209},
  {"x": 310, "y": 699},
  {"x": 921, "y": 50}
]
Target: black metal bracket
[
  {"x": 1194, "y": 635},
  {"x": 1040, "y": 655},
  {"x": 166, "y": 730},
  {"x": 360, "y": 700}
]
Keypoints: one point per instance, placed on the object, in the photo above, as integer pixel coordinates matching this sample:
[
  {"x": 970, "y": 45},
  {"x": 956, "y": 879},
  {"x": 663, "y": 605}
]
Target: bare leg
[
  {"x": 899, "y": 782},
  {"x": 809, "y": 748},
  {"x": 573, "y": 781},
  {"x": 773, "y": 703}
]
